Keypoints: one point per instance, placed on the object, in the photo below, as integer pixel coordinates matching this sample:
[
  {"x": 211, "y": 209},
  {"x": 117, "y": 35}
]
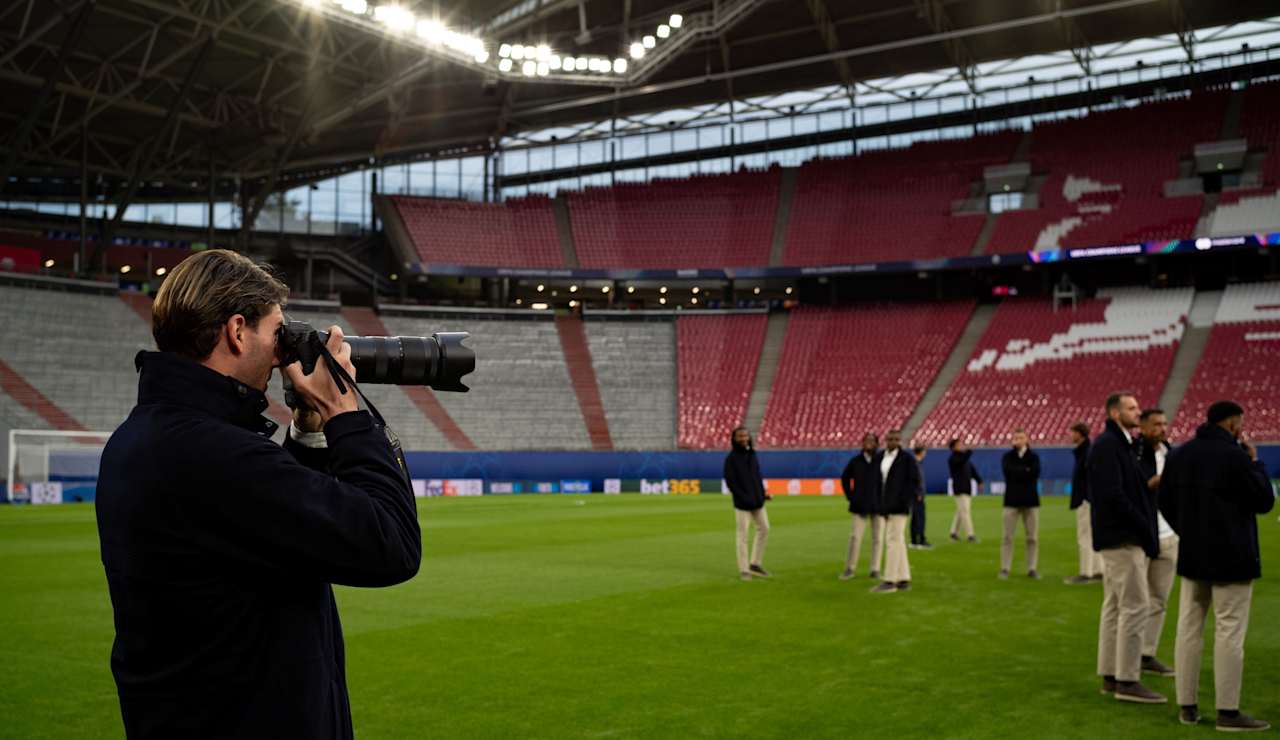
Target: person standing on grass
[
  {"x": 1160, "y": 571},
  {"x": 900, "y": 483},
  {"x": 1211, "y": 492},
  {"x": 964, "y": 485},
  {"x": 918, "y": 539},
  {"x": 1124, "y": 533},
  {"x": 1090, "y": 560},
  {"x": 742, "y": 474},
  {"x": 861, "y": 483},
  {"x": 1021, "y": 502}
]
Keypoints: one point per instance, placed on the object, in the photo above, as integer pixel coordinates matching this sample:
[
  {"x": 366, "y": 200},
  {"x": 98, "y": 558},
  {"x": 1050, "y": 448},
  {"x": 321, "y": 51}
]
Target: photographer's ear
[{"x": 236, "y": 332}]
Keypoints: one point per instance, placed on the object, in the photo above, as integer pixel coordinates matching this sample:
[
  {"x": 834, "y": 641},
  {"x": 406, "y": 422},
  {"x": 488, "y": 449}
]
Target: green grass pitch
[{"x": 594, "y": 616}]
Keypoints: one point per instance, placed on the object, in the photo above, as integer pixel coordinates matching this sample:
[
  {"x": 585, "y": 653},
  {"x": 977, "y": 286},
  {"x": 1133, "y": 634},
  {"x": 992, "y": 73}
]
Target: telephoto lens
[{"x": 438, "y": 361}]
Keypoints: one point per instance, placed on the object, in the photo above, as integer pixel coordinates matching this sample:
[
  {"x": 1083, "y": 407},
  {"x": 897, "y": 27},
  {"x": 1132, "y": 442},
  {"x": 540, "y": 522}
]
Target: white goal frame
[{"x": 47, "y": 434}]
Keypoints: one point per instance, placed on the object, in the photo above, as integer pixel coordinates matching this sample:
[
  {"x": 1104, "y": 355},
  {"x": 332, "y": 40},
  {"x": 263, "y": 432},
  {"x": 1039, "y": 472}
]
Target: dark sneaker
[
  {"x": 1241, "y": 722},
  {"x": 1135, "y": 692},
  {"x": 884, "y": 588},
  {"x": 955, "y": 537},
  {"x": 1077, "y": 580},
  {"x": 745, "y": 575},
  {"x": 972, "y": 538},
  {"x": 759, "y": 571},
  {"x": 903, "y": 585},
  {"x": 1108, "y": 685},
  {"x": 926, "y": 546},
  {"x": 1151, "y": 665},
  {"x": 875, "y": 575},
  {"x": 1033, "y": 575},
  {"x": 847, "y": 574},
  {"x": 1097, "y": 578},
  {"x": 1003, "y": 575},
  {"x": 1189, "y": 714}
]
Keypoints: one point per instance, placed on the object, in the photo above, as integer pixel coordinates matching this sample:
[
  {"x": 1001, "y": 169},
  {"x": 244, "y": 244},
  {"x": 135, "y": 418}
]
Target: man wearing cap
[{"x": 1211, "y": 492}]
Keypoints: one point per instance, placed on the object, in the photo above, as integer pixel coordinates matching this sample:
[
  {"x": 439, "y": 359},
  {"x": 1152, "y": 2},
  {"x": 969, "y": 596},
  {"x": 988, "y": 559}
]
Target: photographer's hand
[{"x": 318, "y": 389}]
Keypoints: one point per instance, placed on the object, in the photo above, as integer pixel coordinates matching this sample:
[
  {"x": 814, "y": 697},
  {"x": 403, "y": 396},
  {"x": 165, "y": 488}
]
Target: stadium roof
[{"x": 155, "y": 95}]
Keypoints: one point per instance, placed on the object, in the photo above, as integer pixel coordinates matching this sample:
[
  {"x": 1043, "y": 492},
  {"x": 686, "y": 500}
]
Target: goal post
[{"x": 53, "y": 467}]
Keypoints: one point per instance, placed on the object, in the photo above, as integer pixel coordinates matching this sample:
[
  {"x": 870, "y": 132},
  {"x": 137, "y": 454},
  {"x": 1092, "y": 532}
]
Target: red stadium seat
[
  {"x": 520, "y": 232},
  {"x": 716, "y": 360}
]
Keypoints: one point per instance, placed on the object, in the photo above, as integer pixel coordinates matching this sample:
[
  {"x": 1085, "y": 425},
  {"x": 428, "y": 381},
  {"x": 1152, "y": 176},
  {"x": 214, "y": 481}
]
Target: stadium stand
[
  {"x": 890, "y": 205},
  {"x": 521, "y": 397},
  {"x": 1239, "y": 363},
  {"x": 1260, "y": 126},
  {"x": 520, "y": 232},
  {"x": 1042, "y": 370},
  {"x": 635, "y": 366},
  {"x": 717, "y": 358},
  {"x": 1105, "y": 177},
  {"x": 846, "y": 371},
  {"x": 703, "y": 221}
]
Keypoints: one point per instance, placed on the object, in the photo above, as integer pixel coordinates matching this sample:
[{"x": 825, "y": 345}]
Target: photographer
[{"x": 219, "y": 545}]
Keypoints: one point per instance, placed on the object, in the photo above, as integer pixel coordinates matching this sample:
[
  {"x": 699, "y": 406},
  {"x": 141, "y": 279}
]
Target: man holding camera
[
  {"x": 1212, "y": 490},
  {"x": 219, "y": 545}
]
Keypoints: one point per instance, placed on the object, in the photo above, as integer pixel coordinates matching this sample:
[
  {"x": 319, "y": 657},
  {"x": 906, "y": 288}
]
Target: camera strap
[{"x": 343, "y": 379}]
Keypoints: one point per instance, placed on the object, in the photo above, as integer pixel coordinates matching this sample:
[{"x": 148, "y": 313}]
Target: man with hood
[
  {"x": 742, "y": 475},
  {"x": 1211, "y": 492},
  {"x": 861, "y": 483}
]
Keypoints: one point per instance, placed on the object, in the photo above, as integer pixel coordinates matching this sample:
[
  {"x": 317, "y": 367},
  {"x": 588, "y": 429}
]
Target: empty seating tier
[
  {"x": 1042, "y": 370},
  {"x": 520, "y": 232},
  {"x": 1239, "y": 363},
  {"x": 848, "y": 371},
  {"x": 717, "y": 361},
  {"x": 635, "y": 368}
]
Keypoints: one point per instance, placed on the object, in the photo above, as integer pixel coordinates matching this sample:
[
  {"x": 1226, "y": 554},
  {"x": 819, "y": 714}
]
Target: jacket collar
[
  {"x": 1114, "y": 428},
  {"x": 1213, "y": 431},
  {"x": 167, "y": 378}
]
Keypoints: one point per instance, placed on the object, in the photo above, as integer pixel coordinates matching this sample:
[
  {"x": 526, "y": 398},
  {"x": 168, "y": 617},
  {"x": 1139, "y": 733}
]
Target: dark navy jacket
[
  {"x": 742, "y": 474},
  {"x": 960, "y": 465},
  {"x": 1122, "y": 510},
  {"x": 1211, "y": 494},
  {"x": 219, "y": 547},
  {"x": 902, "y": 486},
  {"x": 1079, "y": 477},
  {"x": 861, "y": 483},
  {"x": 1021, "y": 479}
]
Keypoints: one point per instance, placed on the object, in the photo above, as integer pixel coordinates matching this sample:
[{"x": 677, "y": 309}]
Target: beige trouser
[
  {"x": 1125, "y": 604},
  {"x": 745, "y": 519},
  {"x": 1090, "y": 560},
  {"x": 963, "y": 520},
  {"x": 1030, "y": 516},
  {"x": 1160, "y": 574},
  {"x": 860, "y": 524},
  {"x": 896, "y": 567},
  {"x": 1230, "y": 622}
]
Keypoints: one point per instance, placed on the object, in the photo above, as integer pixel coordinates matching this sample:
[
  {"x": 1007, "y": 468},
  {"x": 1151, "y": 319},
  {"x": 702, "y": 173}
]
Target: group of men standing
[{"x": 1144, "y": 512}]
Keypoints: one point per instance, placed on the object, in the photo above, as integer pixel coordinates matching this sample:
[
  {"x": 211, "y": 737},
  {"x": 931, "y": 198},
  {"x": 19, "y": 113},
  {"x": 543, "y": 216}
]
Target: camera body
[{"x": 438, "y": 361}]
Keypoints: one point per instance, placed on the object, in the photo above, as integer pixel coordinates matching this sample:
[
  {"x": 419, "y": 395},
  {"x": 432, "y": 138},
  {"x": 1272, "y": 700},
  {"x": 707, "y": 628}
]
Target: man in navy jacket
[
  {"x": 964, "y": 483},
  {"x": 1212, "y": 490},
  {"x": 1124, "y": 532},
  {"x": 742, "y": 476},
  {"x": 861, "y": 483},
  {"x": 1021, "y": 467},
  {"x": 1090, "y": 560},
  {"x": 900, "y": 484},
  {"x": 220, "y": 545}
]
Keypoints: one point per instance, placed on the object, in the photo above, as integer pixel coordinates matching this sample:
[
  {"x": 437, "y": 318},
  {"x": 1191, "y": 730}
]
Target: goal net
[{"x": 48, "y": 467}]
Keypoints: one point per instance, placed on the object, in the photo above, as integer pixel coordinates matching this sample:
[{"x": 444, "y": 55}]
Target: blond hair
[{"x": 206, "y": 290}]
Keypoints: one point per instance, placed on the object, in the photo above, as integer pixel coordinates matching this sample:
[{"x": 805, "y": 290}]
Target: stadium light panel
[
  {"x": 649, "y": 42},
  {"x": 529, "y": 68},
  {"x": 541, "y": 287},
  {"x": 542, "y": 52},
  {"x": 394, "y": 17},
  {"x": 675, "y": 21},
  {"x": 788, "y": 291},
  {"x": 482, "y": 56},
  {"x": 573, "y": 289},
  {"x": 359, "y": 7},
  {"x": 517, "y": 52},
  {"x": 756, "y": 290},
  {"x": 620, "y": 66},
  {"x": 543, "y": 69},
  {"x": 696, "y": 290},
  {"x": 556, "y": 63},
  {"x": 604, "y": 289},
  {"x": 504, "y": 65},
  {"x": 631, "y": 288},
  {"x": 573, "y": 304},
  {"x": 694, "y": 301},
  {"x": 504, "y": 51},
  {"x": 663, "y": 290},
  {"x": 664, "y": 31},
  {"x": 538, "y": 306},
  {"x": 637, "y": 50},
  {"x": 48, "y": 263},
  {"x": 663, "y": 301},
  {"x": 125, "y": 269},
  {"x": 519, "y": 301}
]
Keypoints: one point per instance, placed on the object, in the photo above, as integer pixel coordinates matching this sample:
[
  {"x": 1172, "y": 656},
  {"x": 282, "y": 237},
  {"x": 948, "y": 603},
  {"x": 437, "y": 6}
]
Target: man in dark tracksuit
[
  {"x": 742, "y": 476},
  {"x": 964, "y": 483},
  {"x": 1021, "y": 467},
  {"x": 900, "y": 484},
  {"x": 1124, "y": 532},
  {"x": 220, "y": 545},
  {"x": 918, "y": 539},
  {"x": 1090, "y": 560},
  {"x": 861, "y": 483},
  {"x": 1211, "y": 492}
]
